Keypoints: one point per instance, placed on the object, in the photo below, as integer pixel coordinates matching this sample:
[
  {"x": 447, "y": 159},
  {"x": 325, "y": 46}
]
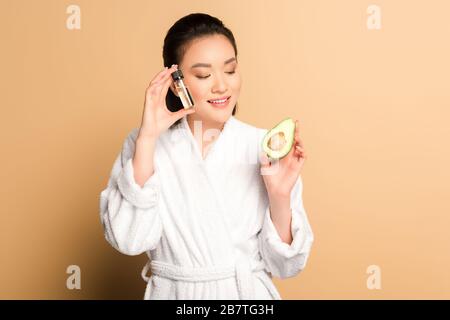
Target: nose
[{"x": 220, "y": 85}]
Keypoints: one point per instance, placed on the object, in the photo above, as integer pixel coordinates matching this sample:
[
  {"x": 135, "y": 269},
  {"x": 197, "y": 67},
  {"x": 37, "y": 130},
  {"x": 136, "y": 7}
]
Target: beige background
[{"x": 373, "y": 106}]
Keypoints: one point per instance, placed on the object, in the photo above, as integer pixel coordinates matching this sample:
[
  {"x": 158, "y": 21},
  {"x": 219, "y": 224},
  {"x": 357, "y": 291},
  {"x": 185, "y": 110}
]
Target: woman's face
[{"x": 210, "y": 72}]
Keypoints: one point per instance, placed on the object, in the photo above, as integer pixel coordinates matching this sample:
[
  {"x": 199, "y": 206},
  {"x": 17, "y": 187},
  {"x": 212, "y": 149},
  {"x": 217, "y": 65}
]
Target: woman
[{"x": 193, "y": 189}]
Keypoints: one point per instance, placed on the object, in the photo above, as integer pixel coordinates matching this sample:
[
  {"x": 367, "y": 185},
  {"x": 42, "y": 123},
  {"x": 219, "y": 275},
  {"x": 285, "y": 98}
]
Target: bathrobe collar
[{"x": 220, "y": 140}]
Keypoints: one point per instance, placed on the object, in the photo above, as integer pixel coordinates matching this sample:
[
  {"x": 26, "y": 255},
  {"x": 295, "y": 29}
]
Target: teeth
[{"x": 218, "y": 101}]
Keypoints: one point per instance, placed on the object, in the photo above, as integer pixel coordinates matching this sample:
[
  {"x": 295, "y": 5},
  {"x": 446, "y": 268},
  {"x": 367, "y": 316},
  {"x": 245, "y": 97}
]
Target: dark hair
[{"x": 186, "y": 29}]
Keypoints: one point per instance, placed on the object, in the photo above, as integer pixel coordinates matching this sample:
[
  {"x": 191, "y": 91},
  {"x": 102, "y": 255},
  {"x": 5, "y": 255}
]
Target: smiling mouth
[{"x": 219, "y": 101}]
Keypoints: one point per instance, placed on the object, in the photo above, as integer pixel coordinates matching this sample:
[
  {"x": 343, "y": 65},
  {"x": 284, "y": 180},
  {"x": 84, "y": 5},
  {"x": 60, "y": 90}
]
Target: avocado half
[{"x": 279, "y": 140}]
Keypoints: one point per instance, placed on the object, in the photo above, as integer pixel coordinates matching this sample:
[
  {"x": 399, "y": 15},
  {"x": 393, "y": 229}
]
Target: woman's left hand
[{"x": 280, "y": 176}]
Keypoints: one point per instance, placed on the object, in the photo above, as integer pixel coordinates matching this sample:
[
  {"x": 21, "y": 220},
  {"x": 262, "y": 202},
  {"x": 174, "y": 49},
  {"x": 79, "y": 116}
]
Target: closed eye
[{"x": 230, "y": 72}]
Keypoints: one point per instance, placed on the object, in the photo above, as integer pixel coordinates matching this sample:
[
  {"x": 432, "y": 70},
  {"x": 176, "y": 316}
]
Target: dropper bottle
[{"x": 182, "y": 90}]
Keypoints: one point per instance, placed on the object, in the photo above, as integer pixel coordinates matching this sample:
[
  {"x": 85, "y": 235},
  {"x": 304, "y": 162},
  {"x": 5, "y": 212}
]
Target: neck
[{"x": 202, "y": 126}]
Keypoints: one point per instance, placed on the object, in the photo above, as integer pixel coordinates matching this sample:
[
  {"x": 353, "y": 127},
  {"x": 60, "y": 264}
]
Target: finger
[
  {"x": 159, "y": 79},
  {"x": 168, "y": 74},
  {"x": 165, "y": 84},
  {"x": 163, "y": 74},
  {"x": 300, "y": 154},
  {"x": 162, "y": 85},
  {"x": 291, "y": 151},
  {"x": 297, "y": 133},
  {"x": 152, "y": 92},
  {"x": 170, "y": 71},
  {"x": 158, "y": 76},
  {"x": 298, "y": 149},
  {"x": 301, "y": 161},
  {"x": 181, "y": 113},
  {"x": 299, "y": 141},
  {"x": 297, "y": 155},
  {"x": 265, "y": 161}
]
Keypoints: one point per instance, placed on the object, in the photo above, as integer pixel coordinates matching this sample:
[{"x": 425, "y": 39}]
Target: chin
[{"x": 219, "y": 115}]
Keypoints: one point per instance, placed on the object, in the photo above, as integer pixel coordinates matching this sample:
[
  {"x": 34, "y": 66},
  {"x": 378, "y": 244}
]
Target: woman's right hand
[{"x": 156, "y": 117}]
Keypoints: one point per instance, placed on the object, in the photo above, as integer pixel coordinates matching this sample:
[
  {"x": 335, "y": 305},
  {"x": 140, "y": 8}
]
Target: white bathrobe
[{"x": 204, "y": 223}]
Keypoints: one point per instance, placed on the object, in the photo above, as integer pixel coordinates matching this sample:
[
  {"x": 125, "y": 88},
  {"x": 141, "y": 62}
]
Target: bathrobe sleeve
[
  {"x": 284, "y": 260},
  {"x": 129, "y": 213}
]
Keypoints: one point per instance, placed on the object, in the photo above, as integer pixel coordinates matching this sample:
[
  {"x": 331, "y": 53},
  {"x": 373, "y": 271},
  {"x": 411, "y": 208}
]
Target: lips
[{"x": 219, "y": 100}]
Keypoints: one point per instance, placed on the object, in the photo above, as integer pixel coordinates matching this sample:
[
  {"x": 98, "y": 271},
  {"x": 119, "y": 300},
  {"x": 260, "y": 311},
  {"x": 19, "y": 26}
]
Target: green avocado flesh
[{"x": 279, "y": 140}]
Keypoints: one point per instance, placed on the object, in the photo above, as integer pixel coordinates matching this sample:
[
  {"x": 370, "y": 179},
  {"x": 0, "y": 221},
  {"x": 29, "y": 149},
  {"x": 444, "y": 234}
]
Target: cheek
[
  {"x": 199, "y": 91},
  {"x": 235, "y": 84},
  {"x": 235, "y": 89}
]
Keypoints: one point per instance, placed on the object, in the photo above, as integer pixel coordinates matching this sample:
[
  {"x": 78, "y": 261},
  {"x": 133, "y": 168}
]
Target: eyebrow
[{"x": 207, "y": 65}]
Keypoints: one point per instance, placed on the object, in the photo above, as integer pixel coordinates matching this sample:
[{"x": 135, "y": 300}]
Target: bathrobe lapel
[
  {"x": 218, "y": 162},
  {"x": 214, "y": 164}
]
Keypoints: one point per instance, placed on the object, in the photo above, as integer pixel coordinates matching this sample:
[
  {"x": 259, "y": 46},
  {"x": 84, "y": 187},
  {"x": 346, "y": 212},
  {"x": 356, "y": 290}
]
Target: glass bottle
[{"x": 182, "y": 90}]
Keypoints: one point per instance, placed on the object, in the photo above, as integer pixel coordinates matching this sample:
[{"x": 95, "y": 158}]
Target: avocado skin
[{"x": 287, "y": 126}]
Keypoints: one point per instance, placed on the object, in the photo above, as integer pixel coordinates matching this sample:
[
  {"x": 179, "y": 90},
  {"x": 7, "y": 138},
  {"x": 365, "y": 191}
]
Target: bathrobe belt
[{"x": 242, "y": 271}]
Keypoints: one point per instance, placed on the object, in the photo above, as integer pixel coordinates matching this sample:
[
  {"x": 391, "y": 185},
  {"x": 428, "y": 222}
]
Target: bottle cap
[{"x": 177, "y": 74}]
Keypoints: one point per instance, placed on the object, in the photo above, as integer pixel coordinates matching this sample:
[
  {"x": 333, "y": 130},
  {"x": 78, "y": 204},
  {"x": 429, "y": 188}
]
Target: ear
[{"x": 172, "y": 88}]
